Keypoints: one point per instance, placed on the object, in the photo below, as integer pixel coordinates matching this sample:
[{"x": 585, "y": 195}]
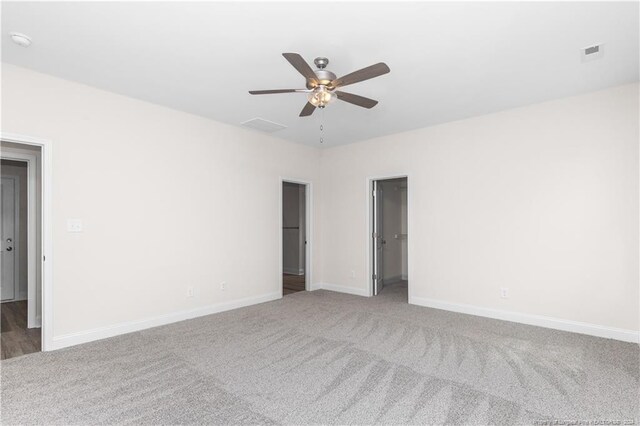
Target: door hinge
[
  {"x": 374, "y": 235},
  {"x": 44, "y": 258},
  {"x": 373, "y": 193},
  {"x": 374, "y": 276}
]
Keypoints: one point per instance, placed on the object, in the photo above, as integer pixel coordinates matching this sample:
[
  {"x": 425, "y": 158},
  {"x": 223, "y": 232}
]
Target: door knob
[{"x": 9, "y": 248}]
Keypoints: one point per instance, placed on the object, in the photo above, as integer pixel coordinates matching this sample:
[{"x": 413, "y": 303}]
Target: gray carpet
[{"x": 322, "y": 357}]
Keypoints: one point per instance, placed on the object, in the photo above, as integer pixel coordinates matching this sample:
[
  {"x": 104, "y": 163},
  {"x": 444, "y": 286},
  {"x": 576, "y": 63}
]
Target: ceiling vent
[
  {"x": 592, "y": 52},
  {"x": 263, "y": 125}
]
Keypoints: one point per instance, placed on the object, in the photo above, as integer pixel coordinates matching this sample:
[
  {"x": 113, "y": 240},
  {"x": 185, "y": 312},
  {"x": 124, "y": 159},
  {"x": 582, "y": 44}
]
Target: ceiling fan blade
[
  {"x": 307, "y": 110},
  {"x": 302, "y": 66},
  {"x": 361, "y": 75},
  {"x": 356, "y": 99},
  {"x": 269, "y": 92}
]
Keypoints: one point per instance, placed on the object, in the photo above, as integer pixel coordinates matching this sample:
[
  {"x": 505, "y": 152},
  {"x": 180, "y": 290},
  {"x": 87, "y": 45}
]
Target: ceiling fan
[{"x": 322, "y": 84}]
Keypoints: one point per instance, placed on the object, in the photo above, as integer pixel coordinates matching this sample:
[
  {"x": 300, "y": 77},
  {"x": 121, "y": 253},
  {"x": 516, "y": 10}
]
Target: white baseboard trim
[
  {"x": 293, "y": 271},
  {"x": 530, "y": 319},
  {"x": 72, "y": 339},
  {"x": 341, "y": 289}
]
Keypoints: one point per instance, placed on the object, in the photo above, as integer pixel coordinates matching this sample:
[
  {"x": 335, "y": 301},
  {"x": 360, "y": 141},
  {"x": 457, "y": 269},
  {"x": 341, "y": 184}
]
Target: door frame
[
  {"x": 46, "y": 267},
  {"x": 308, "y": 195},
  {"x": 369, "y": 230},
  {"x": 16, "y": 233}
]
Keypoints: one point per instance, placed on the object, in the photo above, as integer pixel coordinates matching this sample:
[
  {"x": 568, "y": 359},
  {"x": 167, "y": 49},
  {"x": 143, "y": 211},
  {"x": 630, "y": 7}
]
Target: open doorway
[
  {"x": 294, "y": 237},
  {"x": 389, "y": 249},
  {"x": 20, "y": 249}
]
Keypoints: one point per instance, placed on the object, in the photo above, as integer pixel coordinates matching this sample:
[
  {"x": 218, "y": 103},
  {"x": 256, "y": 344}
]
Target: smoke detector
[
  {"x": 21, "y": 39},
  {"x": 590, "y": 53}
]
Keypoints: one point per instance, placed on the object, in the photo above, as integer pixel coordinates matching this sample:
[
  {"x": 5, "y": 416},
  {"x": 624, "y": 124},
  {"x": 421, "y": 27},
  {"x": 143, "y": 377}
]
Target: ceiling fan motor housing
[{"x": 324, "y": 77}]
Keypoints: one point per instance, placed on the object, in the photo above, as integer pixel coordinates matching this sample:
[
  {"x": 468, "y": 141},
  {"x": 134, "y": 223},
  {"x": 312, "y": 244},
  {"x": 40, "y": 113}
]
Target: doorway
[
  {"x": 20, "y": 234},
  {"x": 13, "y": 287},
  {"x": 389, "y": 247},
  {"x": 294, "y": 237}
]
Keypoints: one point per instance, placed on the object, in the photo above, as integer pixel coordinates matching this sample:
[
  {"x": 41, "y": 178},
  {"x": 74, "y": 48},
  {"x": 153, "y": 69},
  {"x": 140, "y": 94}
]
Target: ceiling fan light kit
[
  {"x": 321, "y": 97},
  {"x": 322, "y": 84}
]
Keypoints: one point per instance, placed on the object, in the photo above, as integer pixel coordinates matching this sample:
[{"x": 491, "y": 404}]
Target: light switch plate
[{"x": 74, "y": 225}]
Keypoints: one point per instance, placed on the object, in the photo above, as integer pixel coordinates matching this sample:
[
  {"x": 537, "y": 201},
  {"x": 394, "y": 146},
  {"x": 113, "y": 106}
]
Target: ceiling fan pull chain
[{"x": 322, "y": 125}]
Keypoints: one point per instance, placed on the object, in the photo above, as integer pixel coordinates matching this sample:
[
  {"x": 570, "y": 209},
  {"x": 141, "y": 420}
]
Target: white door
[
  {"x": 7, "y": 233},
  {"x": 378, "y": 241}
]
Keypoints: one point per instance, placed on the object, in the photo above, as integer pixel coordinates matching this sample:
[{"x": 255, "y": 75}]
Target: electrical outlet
[
  {"x": 504, "y": 292},
  {"x": 223, "y": 285},
  {"x": 190, "y": 292}
]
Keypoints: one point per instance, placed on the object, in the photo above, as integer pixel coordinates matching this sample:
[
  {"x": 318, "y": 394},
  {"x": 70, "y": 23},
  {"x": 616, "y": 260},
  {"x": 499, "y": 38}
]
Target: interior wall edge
[
  {"x": 596, "y": 330},
  {"x": 635, "y": 85},
  {"x": 86, "y": 336}
]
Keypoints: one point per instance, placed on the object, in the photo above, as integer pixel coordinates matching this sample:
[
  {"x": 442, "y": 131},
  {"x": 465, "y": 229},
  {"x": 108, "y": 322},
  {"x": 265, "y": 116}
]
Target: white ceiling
[{"x": 448, "y": 60}]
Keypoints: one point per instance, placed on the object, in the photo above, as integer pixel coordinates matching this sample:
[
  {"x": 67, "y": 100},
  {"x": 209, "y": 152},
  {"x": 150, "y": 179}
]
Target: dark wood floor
[
  {"x": 292, "y": 283},
  {"x": 15, "y": 338}
]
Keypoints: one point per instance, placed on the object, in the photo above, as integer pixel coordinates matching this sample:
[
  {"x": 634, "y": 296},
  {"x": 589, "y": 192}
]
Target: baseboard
[
  {"x": 72, "y": 339},
  {"x": 341, "y": 289},
  {"x": 293, "y": 271},
  {"x": 537, "y": 320}
]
